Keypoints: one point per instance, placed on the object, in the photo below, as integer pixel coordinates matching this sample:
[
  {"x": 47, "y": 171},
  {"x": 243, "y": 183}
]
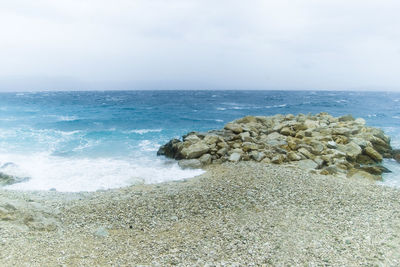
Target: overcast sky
[{"x": 199, "y": 44}]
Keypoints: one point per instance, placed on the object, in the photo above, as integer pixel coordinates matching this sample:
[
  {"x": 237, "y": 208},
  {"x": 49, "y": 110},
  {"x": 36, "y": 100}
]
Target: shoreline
[{"x": 235, "y": 213}]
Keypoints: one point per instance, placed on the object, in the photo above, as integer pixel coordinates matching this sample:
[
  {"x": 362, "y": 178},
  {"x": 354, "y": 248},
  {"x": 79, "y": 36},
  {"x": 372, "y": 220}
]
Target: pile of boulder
[{"x": 321, "y": 142}]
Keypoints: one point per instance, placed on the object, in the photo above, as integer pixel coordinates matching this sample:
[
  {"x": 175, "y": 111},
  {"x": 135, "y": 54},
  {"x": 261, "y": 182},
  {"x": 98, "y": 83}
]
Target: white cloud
[{"x": 194, "y": 44}]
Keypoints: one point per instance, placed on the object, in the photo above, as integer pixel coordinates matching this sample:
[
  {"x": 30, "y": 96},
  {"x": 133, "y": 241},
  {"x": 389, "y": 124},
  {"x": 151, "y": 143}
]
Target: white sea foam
[
  {"x": 144, "y": 131},
  {"x": 67, "y": 118},
  {"x": 393, "y": 178},
  {"x": 221, "y": 108},
  {"x": 277, "y": 106},
  {"x": 86, "y": 174},
  {"x": 148, "y": 146}
]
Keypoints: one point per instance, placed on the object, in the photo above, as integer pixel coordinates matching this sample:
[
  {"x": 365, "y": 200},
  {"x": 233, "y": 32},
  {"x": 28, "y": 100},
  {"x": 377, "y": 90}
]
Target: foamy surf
[{"x": 48, "y": 172}]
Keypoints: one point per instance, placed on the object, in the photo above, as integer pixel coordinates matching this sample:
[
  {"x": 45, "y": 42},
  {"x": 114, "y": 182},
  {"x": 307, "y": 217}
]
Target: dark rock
[
  {"x": 170, "y": 149},
  {"x": 376, "y": 170},
  {"x": 365, "y": 160},
  {"x": 396, "y": 155},
  {"x": 6, "y": 179}
]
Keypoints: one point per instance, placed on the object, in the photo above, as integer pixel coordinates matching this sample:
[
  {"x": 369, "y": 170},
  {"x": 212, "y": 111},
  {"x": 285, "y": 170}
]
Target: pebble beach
[{"x": 244, "y": 213}]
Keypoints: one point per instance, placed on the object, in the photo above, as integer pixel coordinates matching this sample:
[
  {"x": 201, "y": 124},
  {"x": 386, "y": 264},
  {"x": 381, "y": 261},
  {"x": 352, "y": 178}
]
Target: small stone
[
  {"x": 331, "y": 144},
  {"x": 101, "y": 232}
]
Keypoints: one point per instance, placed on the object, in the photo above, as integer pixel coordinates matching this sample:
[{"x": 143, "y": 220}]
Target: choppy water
[{"x": 84, "y": 141}]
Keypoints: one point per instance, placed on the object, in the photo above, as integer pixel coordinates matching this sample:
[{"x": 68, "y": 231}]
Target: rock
[
  {"x": 341, "y": 131},
  {"x": 361, "y": 142},
  {"x": 194, "y": 151},
  {"x": 306, "y": 153},
  {"x": 287, "y": 131},
  {"x": 205, "y": 159},
  {"x": 375, "y": 170},
  {"x": 360, "y": 121},
  {"x": 192, "y": 138},
  {"x": 335, "y": 145},
  {"x": 234, "y": 127},
  {"x": 235, "y": 157},
  {"x": 101, "y": 232},
  {"x": 237, "y": 150},
  {"x": 396, "y": 155},
  {"x": 365, "y": 160},
  {"x": 293, "y": 156},
  {"x": 211, "y": 139},
  {"x": 257, "y": 156},
  {"x": 222, "y": 151},
  {"x": 346, "y": 118},
  {"x": 169, "y": 149},
  {"x": 330, "y": 170},
  {"x": 278, "y": 159},
  {"x": 316, "y": 147},
  {"x": 351, "y": 149},
  {"x": 307, "y": 164},
  {"x": 246, "y": 137},
  {"x": 331, "y": 144},
  {"x": 190, "y": 164},
  {"x": 359, "y": 174},
  {"x": 320, "y": 162},
  {"x": 373, "y": 154},
  {"x": 6, "y": 179},
  {"x": 311, "y": 124},
  {"x": 248, "y": 146}
]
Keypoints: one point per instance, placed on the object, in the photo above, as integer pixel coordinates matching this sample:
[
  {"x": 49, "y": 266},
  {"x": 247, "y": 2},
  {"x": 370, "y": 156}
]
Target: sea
[{"x": 95, "y": 140}]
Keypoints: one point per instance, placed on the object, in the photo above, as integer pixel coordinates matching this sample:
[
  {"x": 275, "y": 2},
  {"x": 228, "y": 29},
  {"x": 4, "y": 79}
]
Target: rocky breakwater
[{"x": 321, "y": 143}]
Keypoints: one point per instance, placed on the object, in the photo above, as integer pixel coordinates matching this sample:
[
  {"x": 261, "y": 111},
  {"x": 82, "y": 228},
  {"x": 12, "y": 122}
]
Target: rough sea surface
[{"x": 86, "y": 141}]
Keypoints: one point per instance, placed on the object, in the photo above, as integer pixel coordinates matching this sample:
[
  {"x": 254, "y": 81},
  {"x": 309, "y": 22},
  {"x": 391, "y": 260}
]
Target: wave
[
  {"x": 88, "y": 174},
  {"x": 148, "y": 146},
  {"x": 393, "y": 178},
  {"x": 277, "y": 106},
  {"x": 143, "y": 131}
]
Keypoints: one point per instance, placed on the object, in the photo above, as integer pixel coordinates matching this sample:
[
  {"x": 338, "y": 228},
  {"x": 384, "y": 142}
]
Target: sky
[{"x": 199, "y": 44}]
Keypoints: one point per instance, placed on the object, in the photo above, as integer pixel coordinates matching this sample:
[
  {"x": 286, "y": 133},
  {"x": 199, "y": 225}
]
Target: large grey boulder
[
  {"x": 351, "y": 149},
  {"x": 194, "y": 151},
  {"x": 190, "y": 164}
]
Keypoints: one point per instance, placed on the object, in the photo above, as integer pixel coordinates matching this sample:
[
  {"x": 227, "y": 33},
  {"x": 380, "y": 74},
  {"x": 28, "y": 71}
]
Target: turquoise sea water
[{"x": 85, "y": 141}]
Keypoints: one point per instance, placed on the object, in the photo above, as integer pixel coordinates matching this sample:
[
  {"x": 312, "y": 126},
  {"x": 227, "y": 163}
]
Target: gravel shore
[{"x": 235, "y": 214}]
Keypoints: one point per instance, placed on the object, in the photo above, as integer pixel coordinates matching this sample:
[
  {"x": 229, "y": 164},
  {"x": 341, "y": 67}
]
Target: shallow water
[{"x": 85, "y": 141}]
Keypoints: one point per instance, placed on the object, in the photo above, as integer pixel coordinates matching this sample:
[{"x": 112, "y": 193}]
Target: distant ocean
[{"x": 86, "y": 141}]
